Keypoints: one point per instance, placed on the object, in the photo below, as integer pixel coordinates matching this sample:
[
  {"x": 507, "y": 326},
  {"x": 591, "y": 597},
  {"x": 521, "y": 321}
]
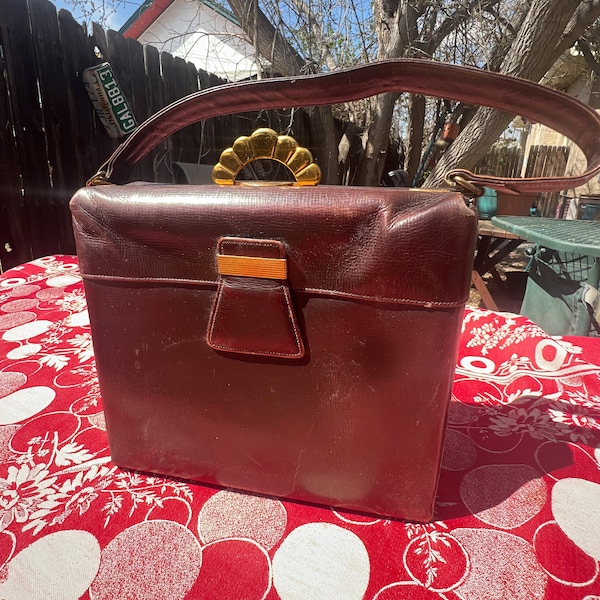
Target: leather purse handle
[{"x": 532, "y": 101}]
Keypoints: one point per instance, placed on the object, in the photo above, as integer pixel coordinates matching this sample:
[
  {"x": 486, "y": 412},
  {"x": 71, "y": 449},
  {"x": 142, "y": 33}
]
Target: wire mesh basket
[{"x": 572, "y": 267}]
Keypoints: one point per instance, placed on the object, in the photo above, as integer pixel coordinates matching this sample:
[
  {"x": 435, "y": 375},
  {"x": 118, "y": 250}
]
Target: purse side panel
[{"x": 357, "y": 423}]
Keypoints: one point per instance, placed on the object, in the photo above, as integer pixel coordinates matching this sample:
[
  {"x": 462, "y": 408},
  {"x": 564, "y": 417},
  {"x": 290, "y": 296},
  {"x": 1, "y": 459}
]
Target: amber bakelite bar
[{"x": 252, "y": 266}]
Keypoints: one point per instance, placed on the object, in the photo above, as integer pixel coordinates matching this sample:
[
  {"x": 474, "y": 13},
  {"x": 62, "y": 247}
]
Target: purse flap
[
  {"x": 374, "y": 244},
  {"x": 253, "y": 311}
]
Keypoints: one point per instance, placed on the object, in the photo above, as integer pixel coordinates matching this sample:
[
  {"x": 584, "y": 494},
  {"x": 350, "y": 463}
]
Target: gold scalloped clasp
[{"x": 263, "y": 144}]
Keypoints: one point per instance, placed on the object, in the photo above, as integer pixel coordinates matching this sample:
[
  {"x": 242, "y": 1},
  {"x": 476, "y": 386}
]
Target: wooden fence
[
  {"x": 502, "y": 162},
  {"x": 542, "y": 161},
  {"x": 547, "y": 161},
  {"x": 51, "y": 141}
]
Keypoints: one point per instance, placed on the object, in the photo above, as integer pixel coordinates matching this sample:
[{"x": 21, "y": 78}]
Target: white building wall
[{"x": 200, "y": 35}]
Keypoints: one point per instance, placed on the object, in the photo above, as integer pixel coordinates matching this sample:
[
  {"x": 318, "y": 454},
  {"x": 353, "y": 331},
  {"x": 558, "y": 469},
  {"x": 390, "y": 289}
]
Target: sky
[{"x": 117, "y": 14}]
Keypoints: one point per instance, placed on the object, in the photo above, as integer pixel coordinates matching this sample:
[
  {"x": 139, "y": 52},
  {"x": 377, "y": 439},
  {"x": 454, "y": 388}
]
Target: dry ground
[{"x": 510, "y": 295}]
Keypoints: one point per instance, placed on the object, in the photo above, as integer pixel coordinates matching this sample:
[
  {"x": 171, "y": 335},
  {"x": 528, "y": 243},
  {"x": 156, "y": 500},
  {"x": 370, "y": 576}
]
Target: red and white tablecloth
[{"x": 518, "y": 509}]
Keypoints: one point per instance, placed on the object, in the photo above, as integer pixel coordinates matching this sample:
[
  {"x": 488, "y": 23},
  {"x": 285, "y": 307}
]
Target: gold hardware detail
[
  {"x": 252, "y": 266},
  {"x": 264, "y": 143},
  {"x": 98, "y": 179},
  {"x": 467, "y": 187}
]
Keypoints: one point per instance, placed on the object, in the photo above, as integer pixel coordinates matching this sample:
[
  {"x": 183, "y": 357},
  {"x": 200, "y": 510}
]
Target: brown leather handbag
[{"x": 293, "y": 341}]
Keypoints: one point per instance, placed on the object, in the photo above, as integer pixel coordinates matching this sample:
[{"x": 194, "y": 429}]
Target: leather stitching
[
  {"x": 246, "y": 350},
  {"x": 319, "y": 291}
]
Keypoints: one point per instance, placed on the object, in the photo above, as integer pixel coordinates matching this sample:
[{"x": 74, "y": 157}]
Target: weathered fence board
[
  {"x": 76, "y": 57},
  {"x": 58, "y": 131},
  {"x": 156, "y": 100},
  {"x": 547, "y": 161},
  {"x": 542, "y": 161},
  {"x": 502, "y": 162},
  {"x": 14, "y": 231},
  {"x": 28, "y": 125}
]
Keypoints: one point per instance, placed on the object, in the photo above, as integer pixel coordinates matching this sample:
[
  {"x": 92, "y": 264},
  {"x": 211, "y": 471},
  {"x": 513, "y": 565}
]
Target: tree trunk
[
  {"x": 375, "y": 141},
  {"x": 396, "y": 27},
  {"x": 323, "y": 129},
  {"x": 415, "y": 134}
]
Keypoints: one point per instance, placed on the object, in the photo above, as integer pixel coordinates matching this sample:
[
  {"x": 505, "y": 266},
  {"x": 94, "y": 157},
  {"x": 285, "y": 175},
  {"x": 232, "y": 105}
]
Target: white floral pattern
[{"x": 524, "y": 432}]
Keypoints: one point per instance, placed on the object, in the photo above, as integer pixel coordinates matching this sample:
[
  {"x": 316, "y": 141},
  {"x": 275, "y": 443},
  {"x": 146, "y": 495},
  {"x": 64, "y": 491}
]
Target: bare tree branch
[
  {"x": 317, "y": 32},
  {"x": 591, "y": 61},
  {"x": 271, "y": 45},
  {"x": 460, "y": 15},
  {"x": 586, "y": 13}
]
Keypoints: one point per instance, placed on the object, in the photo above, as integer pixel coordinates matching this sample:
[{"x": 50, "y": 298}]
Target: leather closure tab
[
  {"x": 253, "y": 311},
  {"x": 252, "y": 266}
]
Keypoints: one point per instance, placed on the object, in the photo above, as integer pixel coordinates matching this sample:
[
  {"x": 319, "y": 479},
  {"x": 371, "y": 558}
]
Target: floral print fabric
[{"x": 516, "y": 514}]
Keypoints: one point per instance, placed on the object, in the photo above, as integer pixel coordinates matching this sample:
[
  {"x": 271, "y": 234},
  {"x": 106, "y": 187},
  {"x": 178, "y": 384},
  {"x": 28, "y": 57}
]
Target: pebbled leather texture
[
  {"x": 339, "y": 241},
  {"x": 377, "y": 279}
]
